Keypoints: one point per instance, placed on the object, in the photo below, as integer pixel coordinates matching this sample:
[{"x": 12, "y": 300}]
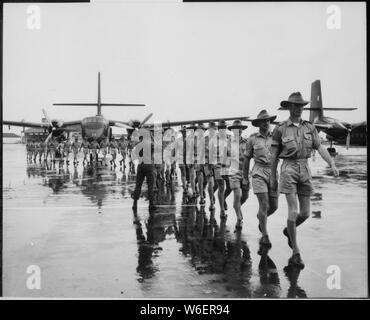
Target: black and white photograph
[{"x": 184, "y": 150}]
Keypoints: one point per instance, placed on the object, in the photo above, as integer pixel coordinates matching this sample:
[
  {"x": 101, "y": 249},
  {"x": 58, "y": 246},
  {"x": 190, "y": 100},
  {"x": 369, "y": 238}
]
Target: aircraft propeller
[
  {"x": 348, "y": 139},
  {"x": 145, "y": 120},
  {"x": 54, "y": 125}
]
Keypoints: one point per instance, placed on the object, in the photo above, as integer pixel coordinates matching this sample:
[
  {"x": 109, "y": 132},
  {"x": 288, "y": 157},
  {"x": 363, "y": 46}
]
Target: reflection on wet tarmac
[
  {"x": 294, "y": 290},
  {"x": 269, "y": 277},
  {"x": 203, "y": 255},
  {"x": 213, "y": 252}
]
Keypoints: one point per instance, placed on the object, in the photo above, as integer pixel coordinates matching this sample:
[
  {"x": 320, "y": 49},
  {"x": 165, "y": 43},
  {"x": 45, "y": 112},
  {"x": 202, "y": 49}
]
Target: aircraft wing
[
  {"x": 322, "y": 126},
  {"x": 71, "y": 124},
  {"x": 358, "y": 125},
  {"x": 330, "y": 109},
  {"x": 26, "y": 124},
  {"x": 185, "y": 122},
  {"x": 121, "y": 124}
]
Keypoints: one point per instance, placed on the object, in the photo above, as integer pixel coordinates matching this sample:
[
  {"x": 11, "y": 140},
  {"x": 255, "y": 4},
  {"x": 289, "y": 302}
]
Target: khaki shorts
[
  {"x": 295, "y": 177},
  {"x": 261, "y": 177},
  {"x": 219, "y": 172},
  {"x": 236, "y": 181},
  {"x": 209, "y": 170}
]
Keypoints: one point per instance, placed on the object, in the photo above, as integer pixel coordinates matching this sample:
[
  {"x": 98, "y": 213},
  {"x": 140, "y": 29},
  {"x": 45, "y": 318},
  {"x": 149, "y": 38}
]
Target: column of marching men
[
  {"x": 292, "y": 140},
  {"x": 65, "y": 152}
]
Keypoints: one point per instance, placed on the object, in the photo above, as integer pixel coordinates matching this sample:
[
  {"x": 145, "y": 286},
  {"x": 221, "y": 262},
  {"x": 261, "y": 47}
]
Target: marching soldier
[
  {"x": 293, "y": 141},
  {"x": 238, "y": 177},
  {"x": 85, "y": 145},
  {"x": 259, "y": 148},
  {"x": 181, "y": 157},
  {"x": 67, "y": 150},
  {"x": 75, "y": 148},
  {"x": 113, "y": 147},
  {"x": 94, "y": 151},
  {"x": 52, "y": 147},
  {"x": 42, "y": 150},
  {"x": 104, "y": 149},
  {"x": 222, "y": 179},
  {"x": 145, "y": 169},
  {"x": 211, "y": 160},
  {"x": 122, "y": 149}
]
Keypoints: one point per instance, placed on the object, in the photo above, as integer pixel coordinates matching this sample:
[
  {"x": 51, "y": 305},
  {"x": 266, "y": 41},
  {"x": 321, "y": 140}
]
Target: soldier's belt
[{"x": 304, "y": 160}]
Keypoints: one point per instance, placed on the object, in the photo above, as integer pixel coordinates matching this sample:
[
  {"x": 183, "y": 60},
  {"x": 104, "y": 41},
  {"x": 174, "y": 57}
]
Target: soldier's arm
[
  {"x": 274, "y": 161},
  {"x": 323, "y": 152},
  {"x": 248, "y": 157},
  {"x": 275, "y": 151},
  {"x": 329, "y": 160}
]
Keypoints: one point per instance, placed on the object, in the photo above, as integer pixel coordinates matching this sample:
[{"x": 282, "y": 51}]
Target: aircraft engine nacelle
[{"x": 57, "y": 123}]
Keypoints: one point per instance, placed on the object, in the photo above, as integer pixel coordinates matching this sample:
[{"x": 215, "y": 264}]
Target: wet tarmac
[{"x": 77, "y": 225}]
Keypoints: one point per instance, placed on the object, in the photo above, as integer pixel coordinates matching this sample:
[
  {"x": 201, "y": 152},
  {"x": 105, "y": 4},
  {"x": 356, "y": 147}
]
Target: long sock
[
  {"x": 263, "y": 223},
  {"x": 291, "y": 225}
]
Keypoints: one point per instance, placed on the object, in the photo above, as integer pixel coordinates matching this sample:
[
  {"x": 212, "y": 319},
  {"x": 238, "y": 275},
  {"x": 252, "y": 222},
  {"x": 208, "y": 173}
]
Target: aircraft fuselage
[
  {"x": 95, "y": 128},
  {"x": 337, "y": 130}
]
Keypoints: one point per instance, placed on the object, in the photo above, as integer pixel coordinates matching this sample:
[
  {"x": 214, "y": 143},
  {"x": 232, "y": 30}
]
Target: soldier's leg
[
  {"x": 228, "y": 190},
  {"x": 114, "y": 158},
  {"x": 304, "y": 191},
  {"x": 237, "y": 206},
  {"x": 220, "y": 182},
  {"x": 168, "y": 171},
  {"x": 220, "y": 195},
  {"x": 245, "y": 194},
  {"x": 124, "y": 160},
  {"x": 200, "y": 185},
  {"x": 183, "y": 176},
  {"x": 263, "y": 202},
  {"x": 192, "y": 178},
  {"x": 150, "y": 181},
  {"x": 139, "y": 182},
  {"x": 304, "y": 209},
  {"x": 273, "y": 204},
  {"x": 292, "y": 217},
  {"x": 211, "y": 182},
  {"x": 155, "y": 180}
]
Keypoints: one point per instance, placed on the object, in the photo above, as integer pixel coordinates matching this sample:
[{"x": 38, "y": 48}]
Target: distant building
[
  {"x": 34, "y": 135},
  {"x": 38, "y": 134},
  {"x": 11, "y": 138}
]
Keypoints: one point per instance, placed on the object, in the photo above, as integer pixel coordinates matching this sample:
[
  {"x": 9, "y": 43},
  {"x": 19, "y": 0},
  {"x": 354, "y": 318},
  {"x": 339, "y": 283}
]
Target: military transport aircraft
[
  {"x": 336, "y": 130},
  {"x": 98, "y": 127},
  {"x": 92, "y": 128}
]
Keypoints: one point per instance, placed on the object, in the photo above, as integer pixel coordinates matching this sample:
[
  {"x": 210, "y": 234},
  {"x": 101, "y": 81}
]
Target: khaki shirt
[
  {"x": 94, "y": 146},
  {"x": 236, "y": 163},
  {"x": 259, "y": 148},
  {"x": 295, "y": 142}
]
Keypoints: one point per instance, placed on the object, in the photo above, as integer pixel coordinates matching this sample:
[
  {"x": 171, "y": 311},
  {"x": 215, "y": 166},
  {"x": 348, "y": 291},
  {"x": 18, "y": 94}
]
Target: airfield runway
[{"x": 78, "y": 227}]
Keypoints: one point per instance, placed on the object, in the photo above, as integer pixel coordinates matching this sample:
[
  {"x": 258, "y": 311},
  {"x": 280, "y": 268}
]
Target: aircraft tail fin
[
  {"x": 316, "y": 101},
  {"x": 99, "y": 97},
  {"x": 99, "y": 104}
]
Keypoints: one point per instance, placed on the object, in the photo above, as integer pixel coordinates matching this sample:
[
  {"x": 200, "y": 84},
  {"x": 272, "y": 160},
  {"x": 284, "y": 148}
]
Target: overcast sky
[{"x": 183, "y": 60}]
